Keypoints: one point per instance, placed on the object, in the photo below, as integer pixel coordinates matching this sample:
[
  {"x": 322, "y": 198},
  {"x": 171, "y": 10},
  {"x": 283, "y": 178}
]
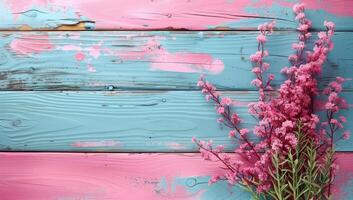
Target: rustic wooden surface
[
  {"x": 50, "y": 176},
  {"x": 90, "y": 76},
  {"x": 166, "y": 14},
  {"x": 140, "y": 121},
  {"x": 149, "y": 60}
]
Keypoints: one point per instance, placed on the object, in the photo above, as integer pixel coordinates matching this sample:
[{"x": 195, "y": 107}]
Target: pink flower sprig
[
  {"x": 257, "y": 59},
  {"x": 333, "y": 123},
  {"x": 282, "y": 116},
  {"x": 228, "y": 118},
  {"x": 304, "y": 35}
]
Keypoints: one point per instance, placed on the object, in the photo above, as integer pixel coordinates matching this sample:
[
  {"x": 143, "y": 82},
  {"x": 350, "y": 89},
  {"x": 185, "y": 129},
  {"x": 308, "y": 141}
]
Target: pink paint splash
[
  {"x": 93, "y": 51},
  {"x": 30, "y": 43},
  {"x": 105, "y": 143},
  {"x": 344, "y": 176},
  {"x": 112, "y": 176},
  {"x": 90, "y": 68},
  {"x": 101, "y": 176},
  {"x": 185, "y": 62},
  {"x": 158, "y": 14},
  {"x": 176, "y": 146},
  {"x": 137, "y": 14},
  {"x": 80, "y": 56},
  {"x": 70, "y": 48}
]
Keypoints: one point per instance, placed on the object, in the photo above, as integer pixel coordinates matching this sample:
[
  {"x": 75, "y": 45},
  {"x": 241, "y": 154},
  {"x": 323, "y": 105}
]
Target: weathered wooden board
[
  {"x": 144, "y": 121},
  {"x": 148, "y": 60},
  {"x": 49, "y": 176},
  {"x": 167, "y": 14}
]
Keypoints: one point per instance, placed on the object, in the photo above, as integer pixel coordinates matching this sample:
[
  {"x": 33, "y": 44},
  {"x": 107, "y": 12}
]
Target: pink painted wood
[
  {"x": 122, "y": 176},
  {"x": 157, "y": 14}
]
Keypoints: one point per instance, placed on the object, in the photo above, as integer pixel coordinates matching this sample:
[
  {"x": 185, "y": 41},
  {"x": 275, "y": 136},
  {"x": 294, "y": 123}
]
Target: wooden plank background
[
  {"x": 161, "y": 14},
  {"x": 134, "y": 121},
  {"x": 91, "y": 76},
  {"x": 126, "y": 176},
  {"x": 149, "y": 60}
]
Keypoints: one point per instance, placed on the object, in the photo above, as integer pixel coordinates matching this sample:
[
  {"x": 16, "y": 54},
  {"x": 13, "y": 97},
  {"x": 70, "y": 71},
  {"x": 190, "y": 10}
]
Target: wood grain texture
[
  {"x": 148, "y": 60},
  {"x": 49, "y": 176},
  {"x": 167, "y": 14},
  {"x": 141, "y": 121}
]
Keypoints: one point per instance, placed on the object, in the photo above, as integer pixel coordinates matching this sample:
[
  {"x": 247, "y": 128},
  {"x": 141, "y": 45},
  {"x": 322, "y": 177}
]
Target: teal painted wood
[
  {"x": 148, "y": 60},
  {"x": 141, "y": 121},
  {"x": 192, "y": 15}
]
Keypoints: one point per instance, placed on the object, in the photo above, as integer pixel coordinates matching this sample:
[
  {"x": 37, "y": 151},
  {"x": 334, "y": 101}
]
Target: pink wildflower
[
  {"x": 329, "y": 25},
  {"x": 235, "y": 119},
  {"x": 219, "y": 148},
  {"x": 200, "y": 83},
  {"x": 334, "y": 121},
  {"x": 292, "y": 140},
  {"x": 336, "y": 86},
  {"x": 257, "y": 57},
  {"x": 332, "y": 97},
  {"x": 261, "y": 38},
  {"x": 265, "y": 66},
  {"x": 220, "y": 110},
  {"x": 304, "y": 28},
  {"x": 343, "y": 119},
  {"x": 271, "y": 76},
  {"x": 276, "y": 145},
  {"x": 300, "y": 16},
  {"x": 298, "y": 8},
  {"x": 193, "y": 139},
  {"x": 243, "y": 131},
  {"x": 220, "y": 120},
  {"x": 298, "y": 46},
  {"x": 293, "y": 58},
  {"x": 322, "y": 35},
  {"x": 288, "y": 124},
  {"x": 232, "y": 133},
  {"x": 263, "y": 188},
  {"x": 226, "y": 101},
  {"x": 256, "y": 82},
  {"x": 256, "y": 70},
  {"x": 346, "y": 135},
  {"x": 340, "y": 80}
]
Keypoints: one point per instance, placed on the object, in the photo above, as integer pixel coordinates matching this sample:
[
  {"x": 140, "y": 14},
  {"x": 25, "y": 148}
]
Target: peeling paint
[
  {"x": 31, "y": 44},
  {"x": 104, "y": 143}
]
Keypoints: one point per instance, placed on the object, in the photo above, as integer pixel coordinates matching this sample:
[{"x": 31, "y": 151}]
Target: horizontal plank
[
  {"x": 152, "y": 14},
  {"x": 148, "y": 60},
  {"x": 141, "y": 121},
  {"x": 49, "y": 176}
]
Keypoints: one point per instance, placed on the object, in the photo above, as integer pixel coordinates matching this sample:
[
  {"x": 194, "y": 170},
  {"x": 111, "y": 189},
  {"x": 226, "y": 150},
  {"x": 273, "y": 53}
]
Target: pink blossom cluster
[{"x": 278, "y": 115}]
